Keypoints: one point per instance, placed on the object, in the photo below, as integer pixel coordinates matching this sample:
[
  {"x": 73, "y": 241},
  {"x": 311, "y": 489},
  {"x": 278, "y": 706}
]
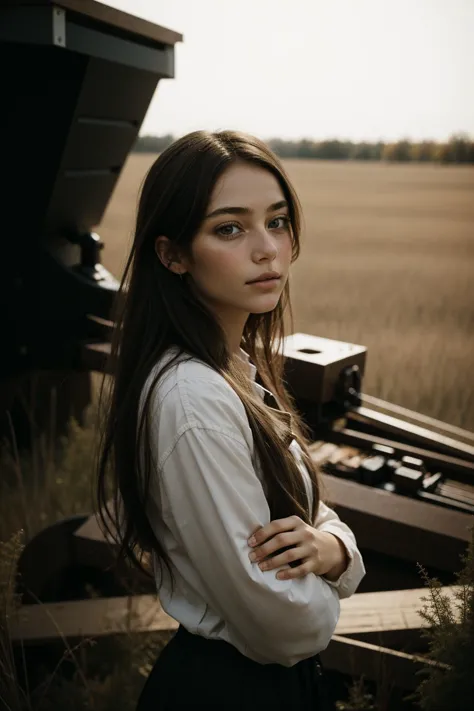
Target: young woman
[{"x": 203, "y": 442}]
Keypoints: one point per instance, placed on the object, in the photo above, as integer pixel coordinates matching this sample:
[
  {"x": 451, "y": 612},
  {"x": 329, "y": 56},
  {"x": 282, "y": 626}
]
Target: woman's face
[{"x": 245, "y": 233}]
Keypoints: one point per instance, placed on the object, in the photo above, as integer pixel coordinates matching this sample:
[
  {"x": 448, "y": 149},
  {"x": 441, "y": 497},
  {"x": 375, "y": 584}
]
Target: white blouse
[{"x": 204, "y": 504}]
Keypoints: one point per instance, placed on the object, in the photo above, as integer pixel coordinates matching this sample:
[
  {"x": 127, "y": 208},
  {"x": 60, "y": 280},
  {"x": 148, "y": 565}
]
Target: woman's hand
[{"x": 318, "y": 552}]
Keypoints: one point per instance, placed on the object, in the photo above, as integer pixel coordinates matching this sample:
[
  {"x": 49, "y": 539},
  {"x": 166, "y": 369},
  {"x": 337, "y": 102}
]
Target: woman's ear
[{"x": 167, "y": 254}]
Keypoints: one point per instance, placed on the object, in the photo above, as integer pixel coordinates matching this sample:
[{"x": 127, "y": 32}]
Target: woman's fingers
[
  {"x": 281, "y": 540},
  {"x": 272, "y": 528},
  {"x": 297, "y": 553},
  {"x": 299, "y": 572}
]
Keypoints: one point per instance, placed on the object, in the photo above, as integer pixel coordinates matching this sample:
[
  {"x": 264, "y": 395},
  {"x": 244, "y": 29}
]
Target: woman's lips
[{"x": 268, "y": 283}]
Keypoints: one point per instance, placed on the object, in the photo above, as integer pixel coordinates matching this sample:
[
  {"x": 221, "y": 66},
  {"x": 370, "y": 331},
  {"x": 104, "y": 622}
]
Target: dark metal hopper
[{"x": 80, "y": 78}]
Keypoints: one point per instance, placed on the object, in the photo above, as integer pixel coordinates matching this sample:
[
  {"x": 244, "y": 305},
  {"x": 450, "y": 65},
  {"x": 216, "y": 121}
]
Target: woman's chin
[{"x": 264, "y": 305}]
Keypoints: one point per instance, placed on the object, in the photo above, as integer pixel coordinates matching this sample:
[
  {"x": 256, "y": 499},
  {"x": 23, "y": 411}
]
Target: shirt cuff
[{"x": 343, "y": 582}]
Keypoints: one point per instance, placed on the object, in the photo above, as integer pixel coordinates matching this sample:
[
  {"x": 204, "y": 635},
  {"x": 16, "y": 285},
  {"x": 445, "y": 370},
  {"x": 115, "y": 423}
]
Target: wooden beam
[
  {"x": 99, "y": 617},
  {"x": 382, "y": 521},
  {"x": 391, "y": 610},
  {"x": 366, "y": 613},
  {"x": 405, "y": 528},
  {"x": 94, "y": 618}
]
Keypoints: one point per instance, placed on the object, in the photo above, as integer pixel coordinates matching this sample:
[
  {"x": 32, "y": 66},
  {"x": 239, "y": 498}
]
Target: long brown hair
[{"x": 155, "y": 310}]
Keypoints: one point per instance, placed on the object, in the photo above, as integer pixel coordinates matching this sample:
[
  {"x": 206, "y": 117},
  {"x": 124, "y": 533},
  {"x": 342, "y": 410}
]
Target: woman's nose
[{"x": 266, "y": 244}]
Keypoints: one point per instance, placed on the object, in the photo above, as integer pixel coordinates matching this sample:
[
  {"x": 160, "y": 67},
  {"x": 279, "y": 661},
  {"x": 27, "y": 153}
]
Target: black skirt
[{"x": 193, "y": 672}]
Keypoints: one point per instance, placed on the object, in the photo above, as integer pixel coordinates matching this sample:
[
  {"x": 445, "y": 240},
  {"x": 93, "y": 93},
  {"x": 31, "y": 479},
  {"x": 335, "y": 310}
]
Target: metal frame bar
[
  {"x": 369, "y": 419},
  {"x": 376, "y": 403}
]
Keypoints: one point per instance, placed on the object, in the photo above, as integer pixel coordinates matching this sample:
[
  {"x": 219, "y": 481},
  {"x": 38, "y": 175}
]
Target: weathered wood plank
[
  {"x": 89, "y": 618},
  {"x": 384, "y": 611},
  {"x": 360, "y": 614},
  {"x": 93, "y": 618}
]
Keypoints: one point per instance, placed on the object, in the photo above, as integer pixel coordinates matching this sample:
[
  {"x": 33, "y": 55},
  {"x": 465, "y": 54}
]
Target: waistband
[{"x": 190, "y": 639}]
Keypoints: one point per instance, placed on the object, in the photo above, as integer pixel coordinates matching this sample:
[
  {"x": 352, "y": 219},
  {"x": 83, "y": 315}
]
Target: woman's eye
[
  {"x": 283, "y": 220},
  {"x": 226, "y": 230},
  {"x": 231, "y": 229}
]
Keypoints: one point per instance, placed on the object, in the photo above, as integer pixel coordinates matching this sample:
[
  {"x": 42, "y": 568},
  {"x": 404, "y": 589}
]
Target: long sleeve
[
  {"x": 216, "y": 500},
  {"x": 348, "y": 582}
]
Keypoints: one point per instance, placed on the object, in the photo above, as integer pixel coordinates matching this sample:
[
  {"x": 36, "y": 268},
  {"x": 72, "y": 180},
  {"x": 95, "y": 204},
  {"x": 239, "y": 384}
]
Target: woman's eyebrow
[{"x": 244, "y": 210}]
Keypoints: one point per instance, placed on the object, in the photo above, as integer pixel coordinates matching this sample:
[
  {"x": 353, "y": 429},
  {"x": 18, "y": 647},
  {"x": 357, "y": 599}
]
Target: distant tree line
[{"x": 459, "y": 149}]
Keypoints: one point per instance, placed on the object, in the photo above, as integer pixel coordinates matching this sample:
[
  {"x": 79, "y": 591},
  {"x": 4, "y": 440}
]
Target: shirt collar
[
  {"x": 265, "y": 394},
  {"x": 252, "y": 367}
]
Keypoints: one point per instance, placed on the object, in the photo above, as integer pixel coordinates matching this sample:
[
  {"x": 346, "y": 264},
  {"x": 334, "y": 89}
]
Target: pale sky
[{"x": 348, "y": 69}]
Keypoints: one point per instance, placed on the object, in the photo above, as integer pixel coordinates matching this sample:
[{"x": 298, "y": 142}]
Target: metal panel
[{"x": 158, "y": 60}]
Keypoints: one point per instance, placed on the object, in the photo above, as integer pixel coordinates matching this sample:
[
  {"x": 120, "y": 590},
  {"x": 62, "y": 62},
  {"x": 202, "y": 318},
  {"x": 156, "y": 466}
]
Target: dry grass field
[{"x": 387, "y": 262}]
